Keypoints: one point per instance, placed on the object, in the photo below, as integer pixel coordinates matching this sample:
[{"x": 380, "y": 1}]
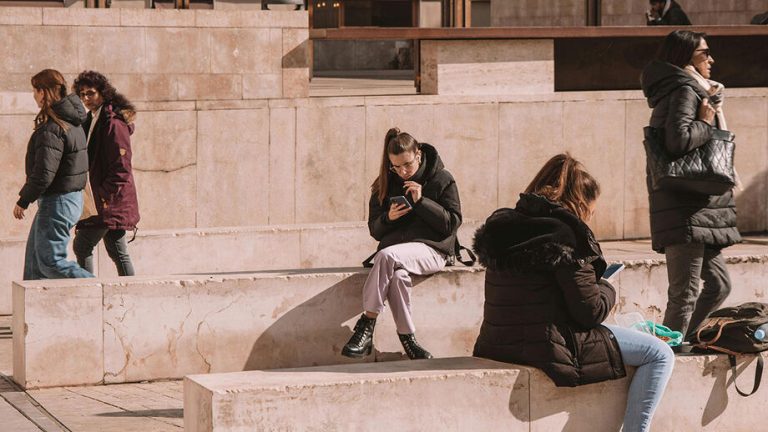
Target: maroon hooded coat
[{"x": 110, "y": 172}]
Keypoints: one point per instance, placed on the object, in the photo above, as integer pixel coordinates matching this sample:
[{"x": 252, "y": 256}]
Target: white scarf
[{"x": 716, "y": 92}]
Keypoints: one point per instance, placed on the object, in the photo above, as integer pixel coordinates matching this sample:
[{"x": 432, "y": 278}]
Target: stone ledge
[
  {"x": 266, "y": 319},
  {"x": 700, "y": 396}
]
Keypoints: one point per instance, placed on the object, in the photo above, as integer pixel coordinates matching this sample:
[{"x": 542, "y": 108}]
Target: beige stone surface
[
  {"x": 282, "y": 165},
  {"x": 296, "y": 83},
  {"x": 529, "y": 134},
  {"x": 57, "y": 323},
  {"x": 748, "y": 119},
  {"x": 240, "y": 401},
  {"x": 234, "y": 142},
  {"x": 210, "y": 87},
  {"x": 229, "y": 17},
  {"x": 262, "y": 86},
  {"x": 161, "y": 192},
  {"x": 601, "y": 149},
  {"x": 157, "y": 18},
  {"x": 246, "y": 50},
  {"x": 6, "y": 346},
  {"x": 80, "y": 17},
  {"x": 55, "y": 47},
  {"x": 146, "y": 87},
  {"x": 98, "y": 45},
  {"x": 12, "y": 257},
  {"x": 13, "y": 420},
  {"x": 330, "y": 186},
  {"x": 164, "y": 55},
  {"x": 476, "y": 67},
  {"x": 14, "y": 135},
  {"x": 636, "y": 218},
  {"x": 21, "y": 16},
  {"x": 296, "y": 48},
  {"x": 467, "y": 139}
]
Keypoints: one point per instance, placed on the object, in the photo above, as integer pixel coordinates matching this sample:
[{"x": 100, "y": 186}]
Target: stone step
[
  {"x": 232, "y": 249},
  {"x": 460, "y": 394},
  {"x": 72, "y": 332}
]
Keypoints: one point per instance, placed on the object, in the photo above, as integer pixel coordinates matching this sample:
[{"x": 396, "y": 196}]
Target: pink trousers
[{"x": 390, "y": 280}]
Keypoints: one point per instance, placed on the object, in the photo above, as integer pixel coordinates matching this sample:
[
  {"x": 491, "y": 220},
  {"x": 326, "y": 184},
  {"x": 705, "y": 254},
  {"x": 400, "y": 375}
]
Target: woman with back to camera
[
  {"x": 416, "y": 236},
  {"x": 545, "y": 298},
  {"x": 56, "y": 165},
  {"x": 689, "y": 228}
]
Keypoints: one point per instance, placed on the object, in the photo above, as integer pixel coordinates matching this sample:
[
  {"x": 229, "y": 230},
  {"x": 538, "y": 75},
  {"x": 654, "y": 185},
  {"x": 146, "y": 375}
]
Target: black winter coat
[
  {"x": 434, "y": 220},
  {"x": 680, "y": 218},
  {"x": 674, "y": 16},
  {"x": 544, "y": 297},
  {"x": 56, "y": 160}
]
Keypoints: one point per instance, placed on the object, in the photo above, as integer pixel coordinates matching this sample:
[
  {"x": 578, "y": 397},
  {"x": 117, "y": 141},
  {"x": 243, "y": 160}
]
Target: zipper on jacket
[{"x": 575, "y": 353}]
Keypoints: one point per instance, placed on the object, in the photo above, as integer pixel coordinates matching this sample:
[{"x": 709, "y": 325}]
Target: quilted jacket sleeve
[
  {"x": 589, "y": 300},
  {"x": 683, "y": 132},
  {"x": 48, "y": 149}
]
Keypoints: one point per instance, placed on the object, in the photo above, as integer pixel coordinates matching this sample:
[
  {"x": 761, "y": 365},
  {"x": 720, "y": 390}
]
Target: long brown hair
[
  {"x": 564, "y": 180},
  {"x": 54, "y": 88},
  {"x": 395, "y": 143}
]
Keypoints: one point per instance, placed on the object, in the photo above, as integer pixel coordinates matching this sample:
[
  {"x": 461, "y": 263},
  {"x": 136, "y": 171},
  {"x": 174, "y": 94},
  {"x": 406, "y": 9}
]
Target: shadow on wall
[
  {"x": 718, "y": 398},
  {"x": 299, "y": 338},
  {"x": 751, "y": 204}
]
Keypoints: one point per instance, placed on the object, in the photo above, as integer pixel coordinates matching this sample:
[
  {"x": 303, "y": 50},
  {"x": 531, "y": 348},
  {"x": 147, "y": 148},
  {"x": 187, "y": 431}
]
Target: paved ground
[{"x": 145, "y": 407}]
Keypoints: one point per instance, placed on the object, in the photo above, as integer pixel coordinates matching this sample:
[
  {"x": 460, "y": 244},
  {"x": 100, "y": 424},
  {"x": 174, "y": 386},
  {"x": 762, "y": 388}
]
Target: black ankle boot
[
  {"x": 361, "y": 343},
  {"x": 412, "y": 348}
]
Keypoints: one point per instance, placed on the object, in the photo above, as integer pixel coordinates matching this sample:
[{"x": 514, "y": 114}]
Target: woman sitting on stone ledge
[
  {"x": 545, "y": 298},
  {"x": 414, "y": 213}
]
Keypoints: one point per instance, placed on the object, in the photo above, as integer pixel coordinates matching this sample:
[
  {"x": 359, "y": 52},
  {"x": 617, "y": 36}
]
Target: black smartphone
[
  {"x": 612, "y": 271},
  {"x": 400, "y": 200}
]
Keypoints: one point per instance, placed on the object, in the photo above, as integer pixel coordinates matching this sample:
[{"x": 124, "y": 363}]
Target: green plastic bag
[{"x": 671, "y": 337}]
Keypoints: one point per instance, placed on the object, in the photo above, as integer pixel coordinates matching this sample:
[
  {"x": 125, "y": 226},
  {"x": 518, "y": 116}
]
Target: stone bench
[
  {"x": 229, "y": 249},
  {"x": 145, "y": 328},
  {"x": 459, "y": 394}
]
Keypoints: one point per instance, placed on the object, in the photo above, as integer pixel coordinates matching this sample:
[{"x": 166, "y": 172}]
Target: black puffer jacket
[
  {"x": 57, "y": 159},
  {"x": 679, "y": 218},
  {"x": 674, "y": 16},
  {"x": 544, "y": 299},
  {"x": 434, "y": 220}
]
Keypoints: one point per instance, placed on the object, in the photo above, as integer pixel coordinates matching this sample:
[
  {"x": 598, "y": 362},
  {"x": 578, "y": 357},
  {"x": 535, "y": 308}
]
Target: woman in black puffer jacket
[
  {"x": 56, "y": 168},
  {"x": 414, "y": 213},
  {"x": 545, "y": 299},
  {"x": 689, "y": 228}
]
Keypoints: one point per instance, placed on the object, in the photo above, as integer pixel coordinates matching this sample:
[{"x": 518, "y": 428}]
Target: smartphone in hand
[
  {"x": 400, "y": 200},
  {"x": 612, "y": 271}
]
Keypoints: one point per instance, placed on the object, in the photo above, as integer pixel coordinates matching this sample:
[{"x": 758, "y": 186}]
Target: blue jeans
[
  {"x": 654, "y": 360},
  {"x": 46, "y": 254}
]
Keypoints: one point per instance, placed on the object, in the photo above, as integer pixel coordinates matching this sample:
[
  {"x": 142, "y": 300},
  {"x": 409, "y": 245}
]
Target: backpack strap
[
  {"x": 457, "y": 251},
  {"x": 758, "y": 374},
  {"x": 368, "y": 262}
]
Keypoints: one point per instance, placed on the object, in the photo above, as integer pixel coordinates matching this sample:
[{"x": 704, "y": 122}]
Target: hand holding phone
[
  {"x": 612, "y": 271},
  {"x": 398, "y": 206}
]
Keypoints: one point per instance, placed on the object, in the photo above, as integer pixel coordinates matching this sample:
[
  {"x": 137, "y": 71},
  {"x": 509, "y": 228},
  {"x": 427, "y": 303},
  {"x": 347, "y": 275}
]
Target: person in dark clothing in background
[
  {"x": 690, "y": 229},
  {"x": 414, "y": 213},
  {"x": 56, "y": 169},
  {"x": 546, "y": 300},
  {"x": 666, "y": 12},
  {"x": 113, "y": 191}
]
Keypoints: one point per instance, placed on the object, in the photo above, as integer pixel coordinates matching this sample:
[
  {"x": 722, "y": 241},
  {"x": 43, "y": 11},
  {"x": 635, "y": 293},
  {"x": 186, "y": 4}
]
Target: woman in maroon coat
[{"x": 108, "y": 128}]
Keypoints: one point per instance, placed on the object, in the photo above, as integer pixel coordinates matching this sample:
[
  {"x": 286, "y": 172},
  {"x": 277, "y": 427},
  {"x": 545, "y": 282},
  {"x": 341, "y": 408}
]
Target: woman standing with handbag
[
  {"x": 690, "y": 228},
  {"x": 414, "y": 213}
]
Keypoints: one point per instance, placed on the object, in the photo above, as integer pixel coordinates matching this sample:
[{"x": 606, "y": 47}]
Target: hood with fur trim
[{"x": 537, "y": 235}]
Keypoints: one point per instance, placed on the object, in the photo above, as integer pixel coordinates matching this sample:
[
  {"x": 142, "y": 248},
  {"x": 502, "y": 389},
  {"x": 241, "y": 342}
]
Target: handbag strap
[{"x": 758, "y": 375}]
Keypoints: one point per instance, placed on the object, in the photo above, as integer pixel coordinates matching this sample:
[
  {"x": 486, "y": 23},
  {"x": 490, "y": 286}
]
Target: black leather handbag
[{"x": 705, "y": 170}]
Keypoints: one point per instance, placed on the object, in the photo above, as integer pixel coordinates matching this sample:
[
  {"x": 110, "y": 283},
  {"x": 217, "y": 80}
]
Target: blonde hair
[
  {"x": 564, "y": 180},
  {"x": 54, "y": 88}
]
